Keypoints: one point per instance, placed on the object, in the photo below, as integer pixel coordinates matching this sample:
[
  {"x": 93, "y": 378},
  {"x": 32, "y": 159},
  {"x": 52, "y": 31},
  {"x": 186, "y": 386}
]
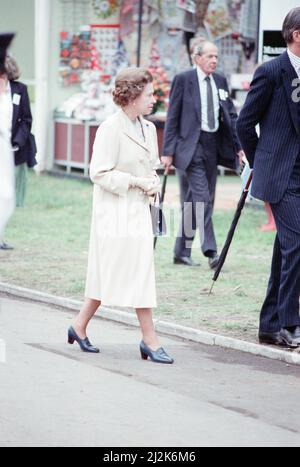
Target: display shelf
[
  {"x": 73, "y": 144},
  {"x": 74, "y": 140}
]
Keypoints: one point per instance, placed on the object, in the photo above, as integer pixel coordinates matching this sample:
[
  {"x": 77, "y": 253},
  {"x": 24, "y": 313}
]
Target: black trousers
[
  {"x": 197, "y": 194},
  {"x": 281, "y": 306}
]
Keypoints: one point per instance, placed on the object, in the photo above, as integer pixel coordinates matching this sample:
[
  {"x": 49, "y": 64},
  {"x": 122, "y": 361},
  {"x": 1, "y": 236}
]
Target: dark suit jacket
[
  {"x": 269, "y": 103},
  {"x": 21, "y": 127},
  {"x": 183, "y": 125}
]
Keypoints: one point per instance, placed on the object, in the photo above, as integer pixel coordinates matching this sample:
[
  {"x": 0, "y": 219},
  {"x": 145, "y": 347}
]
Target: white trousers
[{"x": 7, "y": 183}]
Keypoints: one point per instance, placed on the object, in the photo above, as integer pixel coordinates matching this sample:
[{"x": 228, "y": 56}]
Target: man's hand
[
  {"x": 242, "y": 157},
  {"x": 167, "y": 161},
  {"x": 156, "y": 188}
]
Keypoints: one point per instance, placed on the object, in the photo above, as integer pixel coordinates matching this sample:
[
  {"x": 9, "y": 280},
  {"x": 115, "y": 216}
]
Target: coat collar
[
  {"x": 219, "y": 80},
  {"x": 289, "y": 76},
  {"x": 14, "y": 90},
  {"x": 129, "y": 130},
  {"x": 195, "y": 90}
]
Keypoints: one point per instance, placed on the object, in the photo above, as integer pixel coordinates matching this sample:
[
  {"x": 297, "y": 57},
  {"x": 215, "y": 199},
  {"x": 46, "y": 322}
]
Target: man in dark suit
[
  {"x": 273, "y": 103},
  {"x": 200, "y": 134}
]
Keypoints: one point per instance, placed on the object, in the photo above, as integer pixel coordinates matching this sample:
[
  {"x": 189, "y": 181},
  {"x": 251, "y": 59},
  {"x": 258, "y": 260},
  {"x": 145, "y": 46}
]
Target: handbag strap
[{"x": 157, "y": 199}]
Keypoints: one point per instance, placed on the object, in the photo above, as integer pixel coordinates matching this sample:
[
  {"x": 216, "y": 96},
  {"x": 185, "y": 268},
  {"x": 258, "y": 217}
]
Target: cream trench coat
[{"x": 121, "y": 259}]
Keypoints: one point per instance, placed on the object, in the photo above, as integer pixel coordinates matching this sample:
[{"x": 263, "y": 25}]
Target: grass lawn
[{"x": 51, "y": 237}]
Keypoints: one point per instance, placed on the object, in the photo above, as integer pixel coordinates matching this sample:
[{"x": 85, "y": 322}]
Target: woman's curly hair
[{"x": 130, "y": 84}]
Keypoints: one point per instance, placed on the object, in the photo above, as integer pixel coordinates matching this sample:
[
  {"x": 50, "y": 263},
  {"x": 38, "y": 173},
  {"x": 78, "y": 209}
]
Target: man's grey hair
[
  {"x": 199, "y": 48},
  {"x": 291, "y": 24}
]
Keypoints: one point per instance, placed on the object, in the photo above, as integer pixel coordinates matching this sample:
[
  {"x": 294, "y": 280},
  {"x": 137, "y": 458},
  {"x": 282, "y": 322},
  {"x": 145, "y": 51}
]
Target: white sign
[{"x": 272, "y": 15}]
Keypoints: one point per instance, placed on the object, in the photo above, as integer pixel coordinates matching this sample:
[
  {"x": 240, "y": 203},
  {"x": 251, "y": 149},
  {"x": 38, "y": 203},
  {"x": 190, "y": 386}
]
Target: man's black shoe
[
  {"x": 186, "y": 261},
  {"x": 213, "y": 262},
  {"x": 291, "y": 336},
  {"x": 271, "y": 338}
]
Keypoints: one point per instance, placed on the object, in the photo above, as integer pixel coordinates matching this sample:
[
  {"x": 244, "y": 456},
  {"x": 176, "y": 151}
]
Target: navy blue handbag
[{"x": 158, "y": 219}]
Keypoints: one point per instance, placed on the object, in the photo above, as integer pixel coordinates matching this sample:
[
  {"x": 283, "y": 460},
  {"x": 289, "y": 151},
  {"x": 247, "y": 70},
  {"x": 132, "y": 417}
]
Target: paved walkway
[{"x": 54, "y": 395}]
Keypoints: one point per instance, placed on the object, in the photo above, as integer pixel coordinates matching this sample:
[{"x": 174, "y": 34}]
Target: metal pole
[
  {"x": 258, "y": 31},
  {"x": 42, "y": 42},
  {"x": 140, "y": 26}
]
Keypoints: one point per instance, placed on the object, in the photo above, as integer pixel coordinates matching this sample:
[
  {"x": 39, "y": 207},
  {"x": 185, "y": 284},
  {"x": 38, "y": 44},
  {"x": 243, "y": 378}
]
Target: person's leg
[
  {"x": 21, "y": 184},
  {"x": 145, "y": 318},
  {"x": 269, "y": 319},
  {"x": 150, "y": 347},
  {"x": 183, "y": 186},
  {"x": 183, "y": 245},
  {"x": 287, "y": 218},
  {"x": 210, "y": 157},
  {"x": 193, "y": 212},
  {"x": 209, "y": 247},
  {"x": 187, "y": 230},
  {"x": 84, "y": 317}
]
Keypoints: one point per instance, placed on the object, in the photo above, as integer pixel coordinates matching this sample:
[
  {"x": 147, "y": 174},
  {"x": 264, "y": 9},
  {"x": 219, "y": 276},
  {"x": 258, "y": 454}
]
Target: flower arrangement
[
  {"x": 161, "y": 89},
  {"x": 161, "y": 82},
  {"x": 105, "y": 8}
]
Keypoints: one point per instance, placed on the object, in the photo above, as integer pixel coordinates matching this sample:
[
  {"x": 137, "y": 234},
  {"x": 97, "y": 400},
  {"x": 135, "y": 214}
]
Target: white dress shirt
[
  {"x": 203, "y": 93},
  {"x": 295, "y": 60}
]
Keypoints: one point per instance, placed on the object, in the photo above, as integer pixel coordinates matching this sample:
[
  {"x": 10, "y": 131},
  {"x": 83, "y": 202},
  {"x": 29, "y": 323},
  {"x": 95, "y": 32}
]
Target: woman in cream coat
[{"x": 121, "y": 260}]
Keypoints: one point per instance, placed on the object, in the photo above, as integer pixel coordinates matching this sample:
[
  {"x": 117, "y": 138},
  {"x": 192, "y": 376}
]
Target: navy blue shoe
[
  {"x": 84, "y": 344},
  {"x": 157, "y": 356}
]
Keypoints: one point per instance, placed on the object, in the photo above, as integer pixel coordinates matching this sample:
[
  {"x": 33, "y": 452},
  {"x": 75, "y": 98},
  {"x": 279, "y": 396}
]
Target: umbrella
[
  {"x": 231, "y": 232},
  {"x": 162, "y": 196}
]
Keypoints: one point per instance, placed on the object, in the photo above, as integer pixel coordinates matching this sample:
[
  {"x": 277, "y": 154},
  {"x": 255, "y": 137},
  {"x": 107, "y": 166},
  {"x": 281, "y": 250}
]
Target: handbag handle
[{"x": 157, "y": 198}]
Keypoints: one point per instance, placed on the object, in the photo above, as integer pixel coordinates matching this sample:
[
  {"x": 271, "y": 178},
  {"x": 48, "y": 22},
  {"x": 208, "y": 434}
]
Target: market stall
[{"x": 100, "y": 37}]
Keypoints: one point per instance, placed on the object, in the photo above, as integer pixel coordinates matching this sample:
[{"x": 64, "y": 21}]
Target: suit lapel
[
  {"x": 132, "y": 134},
  {"x": 14, "y": 90},
  {"x": 218, "y": 80},
  {"x": 195, "y": 91},
  {"x": 289, "y": 76}
]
